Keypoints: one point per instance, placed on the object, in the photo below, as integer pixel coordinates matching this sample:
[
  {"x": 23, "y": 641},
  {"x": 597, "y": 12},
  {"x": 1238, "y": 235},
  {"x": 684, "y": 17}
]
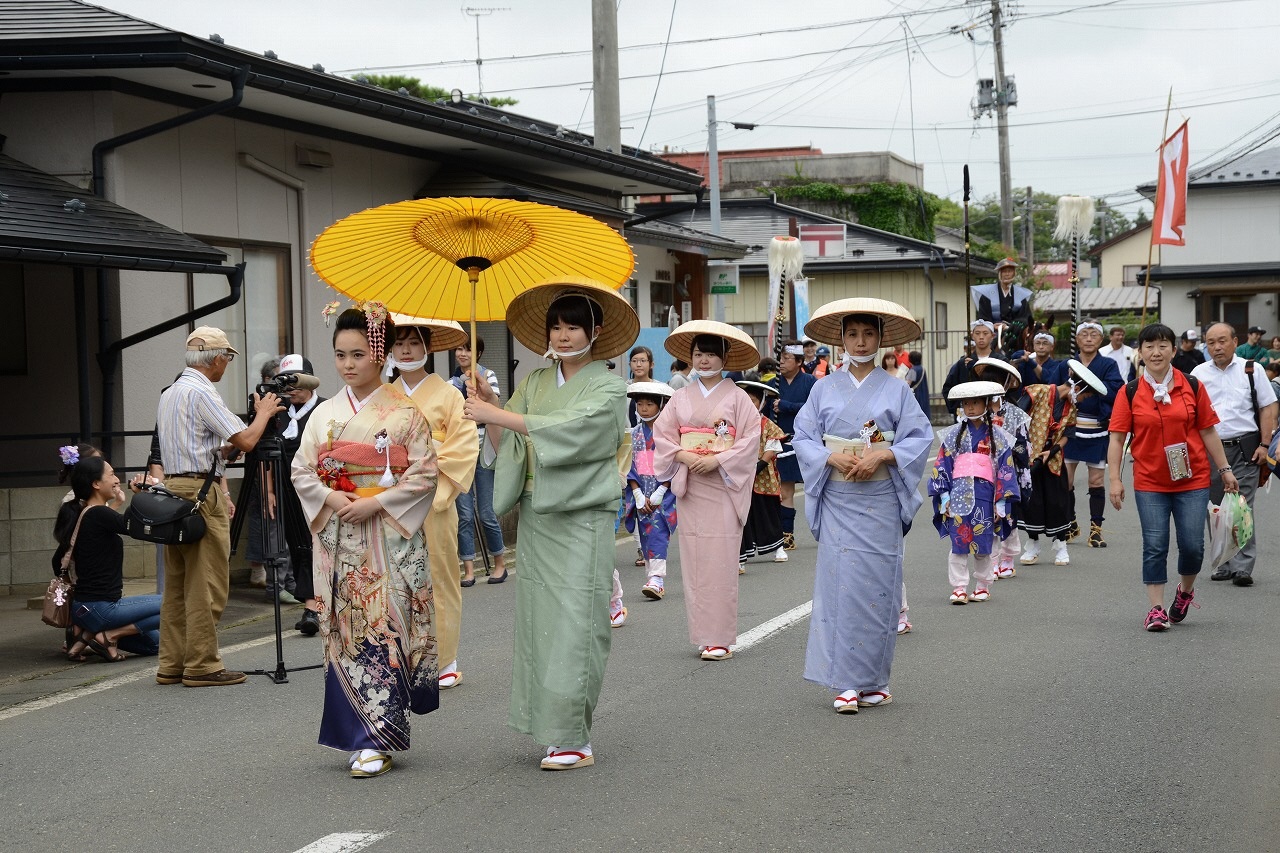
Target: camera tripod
[{"x": 268, "y": 469}]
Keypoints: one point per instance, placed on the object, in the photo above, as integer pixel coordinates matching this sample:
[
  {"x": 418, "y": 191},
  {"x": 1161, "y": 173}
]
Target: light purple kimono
[{"x": 859, "y": 526}]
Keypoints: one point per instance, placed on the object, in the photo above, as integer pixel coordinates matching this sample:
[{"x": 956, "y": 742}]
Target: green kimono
[{"x": 565, "y": 476}]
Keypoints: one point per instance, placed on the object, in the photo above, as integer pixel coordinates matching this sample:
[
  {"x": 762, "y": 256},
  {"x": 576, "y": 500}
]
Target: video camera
[{"x": 284, "y": 382}]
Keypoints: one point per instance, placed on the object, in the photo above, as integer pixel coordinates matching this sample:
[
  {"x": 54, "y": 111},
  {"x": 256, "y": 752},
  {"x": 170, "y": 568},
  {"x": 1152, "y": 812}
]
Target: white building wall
[{"x": 1238, "y": 225}]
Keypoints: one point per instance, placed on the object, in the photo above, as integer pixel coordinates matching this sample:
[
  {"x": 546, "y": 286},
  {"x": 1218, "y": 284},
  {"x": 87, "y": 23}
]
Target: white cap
[
  {"x": 291, "y": 363},
  {"x": 975, "y": 391}
]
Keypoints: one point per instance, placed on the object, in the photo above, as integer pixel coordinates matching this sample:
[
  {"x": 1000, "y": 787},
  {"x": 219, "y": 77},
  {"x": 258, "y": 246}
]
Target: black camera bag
[{"x": 158, "y": 515}]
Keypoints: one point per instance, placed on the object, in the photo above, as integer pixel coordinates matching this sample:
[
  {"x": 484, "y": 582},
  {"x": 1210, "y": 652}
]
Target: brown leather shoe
[
  {"x": 214, "y": 679},
  {"x": 168, "y": 678}
]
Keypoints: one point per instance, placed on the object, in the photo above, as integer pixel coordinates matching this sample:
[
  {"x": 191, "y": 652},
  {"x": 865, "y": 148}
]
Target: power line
[{"x": 661, "y": 67}]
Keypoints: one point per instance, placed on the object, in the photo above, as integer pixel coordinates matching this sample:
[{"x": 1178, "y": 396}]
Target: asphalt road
[{"x": 1043, "y": 720}]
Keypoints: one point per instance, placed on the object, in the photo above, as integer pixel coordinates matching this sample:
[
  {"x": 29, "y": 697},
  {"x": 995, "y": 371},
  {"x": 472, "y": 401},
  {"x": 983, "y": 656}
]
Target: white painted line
[
  {"x": 107, "y": 684},
  {"x": 773, "y": 626},
  {"x": 344, "y": 842}
]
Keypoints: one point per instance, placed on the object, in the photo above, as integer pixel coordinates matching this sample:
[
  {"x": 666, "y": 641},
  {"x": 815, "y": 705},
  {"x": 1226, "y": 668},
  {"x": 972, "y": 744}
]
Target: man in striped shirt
[{"x": 193, "y": 423}]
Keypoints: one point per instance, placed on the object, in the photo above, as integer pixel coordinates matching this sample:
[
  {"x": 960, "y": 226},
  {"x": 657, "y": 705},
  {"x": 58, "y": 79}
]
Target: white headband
[
  {"x": 793, "y": 350},
  {"x": 1097, "y": 328},
  {"x": 976, "y": 323},
  {"x": 1044, "y": 336}
]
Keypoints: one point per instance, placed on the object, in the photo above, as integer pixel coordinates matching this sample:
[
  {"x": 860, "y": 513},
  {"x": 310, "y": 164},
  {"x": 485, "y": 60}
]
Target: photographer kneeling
[
  {"x": 193, "y": 423},
  {"x": 98, "y": 607}
]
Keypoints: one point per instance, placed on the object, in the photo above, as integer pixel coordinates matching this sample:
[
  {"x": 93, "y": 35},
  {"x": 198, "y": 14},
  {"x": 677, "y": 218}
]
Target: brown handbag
[{"x": 57, "y": 598}]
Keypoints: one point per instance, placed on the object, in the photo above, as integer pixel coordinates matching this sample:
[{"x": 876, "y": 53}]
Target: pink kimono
[{"x": 713, "y": 507}]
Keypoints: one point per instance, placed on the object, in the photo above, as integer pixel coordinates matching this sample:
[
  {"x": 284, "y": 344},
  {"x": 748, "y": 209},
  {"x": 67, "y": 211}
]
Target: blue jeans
[
  {"x": 488, "y": 519},
  {"x": 140, "y": 610},
  {"x": 1188, "y": 510}
]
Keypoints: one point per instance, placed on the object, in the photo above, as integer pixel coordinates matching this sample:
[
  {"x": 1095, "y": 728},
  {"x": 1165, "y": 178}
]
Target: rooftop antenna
[{"x": 479, "y": 12}]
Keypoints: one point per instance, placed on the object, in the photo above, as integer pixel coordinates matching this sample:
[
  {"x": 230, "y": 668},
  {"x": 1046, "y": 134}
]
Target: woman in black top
[{"x": 106, "y": 619}]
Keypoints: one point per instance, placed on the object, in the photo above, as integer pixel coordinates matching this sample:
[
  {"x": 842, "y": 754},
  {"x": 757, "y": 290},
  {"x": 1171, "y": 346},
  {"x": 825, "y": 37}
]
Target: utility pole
[
  {"x": 713, "y": 179},
  {"x": 479, "y": 12},
  {"x": 604, "y": 75},
  {"x": 1002, "y": 127}
]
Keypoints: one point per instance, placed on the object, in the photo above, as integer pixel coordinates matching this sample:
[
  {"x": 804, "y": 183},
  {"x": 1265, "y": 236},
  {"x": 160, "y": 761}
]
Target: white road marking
[
  {"x": 344, "y": 842},
  {"x": 745, "y": 641},
  {"x": 773, "y": 626},
  {"x": 80, "y": 692}
]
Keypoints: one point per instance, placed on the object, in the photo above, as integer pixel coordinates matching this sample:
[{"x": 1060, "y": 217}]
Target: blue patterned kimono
[
  {"x": 857, "y": 588},
  {"x": 973, "y": 511},
  {"x": 656, "y": 527}
]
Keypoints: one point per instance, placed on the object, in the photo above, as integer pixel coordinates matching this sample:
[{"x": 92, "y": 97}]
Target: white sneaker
[
  {"x": 780, "y": 556},
  {"x": 1032, "y": 553},
  {"x": 258, "y": 577},
  {"x": 1060, "y": 557},
  {"x": 618, "y": 618},
  {"x": 653, "y": 589}
]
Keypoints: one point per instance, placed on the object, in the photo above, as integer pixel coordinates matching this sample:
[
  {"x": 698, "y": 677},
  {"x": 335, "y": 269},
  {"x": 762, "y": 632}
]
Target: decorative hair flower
[
  {"x": 375, "y": 314},
  {"x": 329, "y": 310},
  {"x": 69, "y": 454}
]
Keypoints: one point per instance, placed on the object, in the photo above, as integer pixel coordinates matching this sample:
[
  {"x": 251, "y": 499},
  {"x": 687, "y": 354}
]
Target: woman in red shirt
[{"x": 1173, "y": 438}]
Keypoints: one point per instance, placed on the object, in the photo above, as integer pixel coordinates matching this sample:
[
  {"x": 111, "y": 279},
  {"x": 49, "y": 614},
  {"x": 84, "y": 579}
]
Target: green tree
[
  {"x": 897, "y": 208},
  {"x": 423, "y": 91}
]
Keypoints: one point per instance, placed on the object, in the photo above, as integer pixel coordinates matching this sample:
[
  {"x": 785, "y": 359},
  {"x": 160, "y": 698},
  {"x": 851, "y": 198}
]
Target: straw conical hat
[
  {"x": 445, "y": 334},
  {"x": 650, "y": 389},
  {"x": 742, "y": 350},
  {"x": 527, "y": 315},
  {"x": 975, "y": 390},
  {"x": 760, "y": 387},
  {"x": 827, "y": 324},
  {"x": 996, "y": 364}
]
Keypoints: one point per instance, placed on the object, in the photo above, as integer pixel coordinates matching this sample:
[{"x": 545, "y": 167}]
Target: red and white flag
[{"x": 1171, "y": 191}]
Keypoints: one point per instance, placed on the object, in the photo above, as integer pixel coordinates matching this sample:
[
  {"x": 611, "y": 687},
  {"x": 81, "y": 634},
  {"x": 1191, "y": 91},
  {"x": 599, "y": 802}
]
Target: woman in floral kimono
[
  {"x": 706, "y": 442},
  {"x": 454, "y": 440},
  {"x": 558, "y": 444},
  {"x": 365, "y": 475},
  {"x": 1006, "y": 414},
  {"x": 862, "y": 443},
  {"x": 973, "y": 485}
]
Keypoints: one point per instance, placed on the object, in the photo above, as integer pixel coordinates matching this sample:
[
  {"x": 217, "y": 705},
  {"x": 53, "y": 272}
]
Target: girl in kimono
[
  {"x": 973, "y": 484},
  {"x": 706, "y": 442},
  {"x": 556, "y": 449},
  {"x": 862, "y": 443},
  {"x": 365, "y": 475},
  {"x": 762, "y": 534},
  {"x": 1006, "y": 414},
  {"x": 648, "y": 506},
  {"x": 456, "y": 445}
]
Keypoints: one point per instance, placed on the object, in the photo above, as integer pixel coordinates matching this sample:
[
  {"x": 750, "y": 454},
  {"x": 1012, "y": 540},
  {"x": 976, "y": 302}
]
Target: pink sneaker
[{"x": 1156, "y": 620}]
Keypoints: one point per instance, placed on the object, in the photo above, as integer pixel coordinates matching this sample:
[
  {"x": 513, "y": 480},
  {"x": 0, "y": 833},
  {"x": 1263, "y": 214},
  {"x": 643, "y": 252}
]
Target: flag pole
[{"x": 1151, "y": 246}]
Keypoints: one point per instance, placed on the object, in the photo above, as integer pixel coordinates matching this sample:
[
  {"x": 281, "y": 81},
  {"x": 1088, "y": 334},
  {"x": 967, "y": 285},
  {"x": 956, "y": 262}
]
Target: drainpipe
[
  {"x": 931, "y": 345},
  {"x": 108, "y": 356}
]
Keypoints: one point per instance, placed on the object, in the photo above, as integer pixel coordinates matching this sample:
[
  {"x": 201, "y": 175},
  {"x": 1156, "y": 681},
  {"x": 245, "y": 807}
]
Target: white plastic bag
[{"x": 1230, "y": 526}]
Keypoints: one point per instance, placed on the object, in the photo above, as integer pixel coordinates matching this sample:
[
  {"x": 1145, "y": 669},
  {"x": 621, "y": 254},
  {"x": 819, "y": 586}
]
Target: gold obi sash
[
  {"x": 855, "y": 447},
  {"x": 368, "y": 491},
  {"x": 437, "y": 438},
  {"x": 705, "y": 441}
]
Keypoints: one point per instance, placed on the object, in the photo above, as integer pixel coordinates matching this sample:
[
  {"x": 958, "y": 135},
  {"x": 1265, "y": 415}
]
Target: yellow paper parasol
[{"x": 464, "y": 258}]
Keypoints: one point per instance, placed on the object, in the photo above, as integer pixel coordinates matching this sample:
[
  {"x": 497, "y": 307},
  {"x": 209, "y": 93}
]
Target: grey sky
[{"x": 1120, "y": 56}]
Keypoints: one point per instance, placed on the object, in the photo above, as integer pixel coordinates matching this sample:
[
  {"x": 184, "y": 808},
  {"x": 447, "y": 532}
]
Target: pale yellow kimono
[
  {"x": 457, "y": 446},
  {"x": 371, "y": 578}
]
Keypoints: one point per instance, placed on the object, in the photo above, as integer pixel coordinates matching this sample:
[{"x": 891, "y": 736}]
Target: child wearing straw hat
[
  {"x": 706, "y": 444},
  {"x": 763, "y": 533},
  {"x": 973, "y": 484},
  {"x": 456, "y": 445},
  {"x": 1006, "y": 414},
  {"x": 556, "y": 449},
  {"x": 648, "y": 505},
  {"x": 862, "y": 442}
]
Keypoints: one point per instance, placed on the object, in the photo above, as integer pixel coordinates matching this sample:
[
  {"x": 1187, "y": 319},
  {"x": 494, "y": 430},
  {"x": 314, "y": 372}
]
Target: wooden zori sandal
[
  {"x": 559, "y": 759},
  {"x": 872, "y": 698}
]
